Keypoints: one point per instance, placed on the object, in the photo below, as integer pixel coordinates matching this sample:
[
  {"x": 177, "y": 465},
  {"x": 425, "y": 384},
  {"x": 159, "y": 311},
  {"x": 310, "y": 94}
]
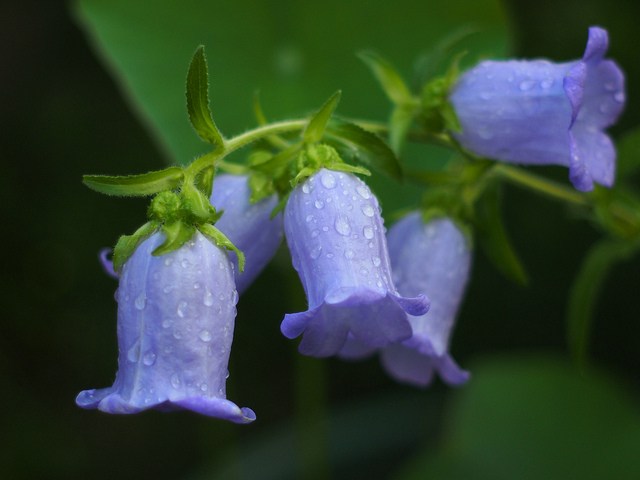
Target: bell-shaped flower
[
  {"x": 433, "y": 258},
  {"x": 542, "y": 113},
  {"x": 176, "y": 316},
  {"x": 249, "y": 226},
  {"x": 336, "y": 238}
]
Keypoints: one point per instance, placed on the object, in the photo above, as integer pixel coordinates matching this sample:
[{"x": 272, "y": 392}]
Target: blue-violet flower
[
  {"x": 336, "y": 238},
  {"x": 538, "y": 112},
  {"x": 249, "y": 226},
  {"x": 175, "y": 327}
]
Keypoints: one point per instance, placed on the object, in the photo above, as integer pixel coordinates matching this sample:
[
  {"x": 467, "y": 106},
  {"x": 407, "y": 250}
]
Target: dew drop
[
  {"x": 318, "y": 204},
  {"x": 619, "y": 97},
  {"x": 305, "y": 188},
  {"x": 133, "y": 354},
  {"x": 168, "y": 261},
  {"x": 376, "y": 261},
  {"x": 546, "y": 84},
  {"x": 315, "y": 233},
  {"x": 141, "y": 301},
  {"x": 363, "y": 192},
  {"x": 367, "y": 232},
  {"x": 204, "y": 387},
  {"x": 604, "y": 107},
  {"x": 379, "y": 284},
  {"x": 348, "y": 254},
  {"x": 342, "y": 225},
  {"x": 234, "y": 297},
  {"x": 610, "y": 86},
  {"x": 364, "y": 271},
  {"x": 309, "y": 218},
  {"x": 329, "y": 255},
  {"x": 325, "y": 229},
  {"x": 526, "y": 85},
  {"x": 370, "y": 244},
  {"x": 208, "y": 298},
  {"x": 328, "y": 180},
  {"x": 149, "y": 358},
  {"x": 485, "y": 95},
  {"x": 168, "y": 288},
  {"x": 205, "y": 335},
  {"x": 166, "y": 323},
  {"x": 315, "y": 253},
  {"x": 175, "y": 381},
  {"x": 185, "y": 263},
  {"x": 368, "y": 210},
  {"x": 177, "y": 334},
  {"x": 182, "y": 309}
]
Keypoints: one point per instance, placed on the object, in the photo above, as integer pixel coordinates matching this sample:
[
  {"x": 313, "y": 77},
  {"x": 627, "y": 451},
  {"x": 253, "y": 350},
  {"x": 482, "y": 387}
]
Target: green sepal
[
  {"x": 437, "y": 112},
  {"x": 261, "y": 187},
  {"x": 198, "y": 100},
  {"x": 165, "y": 207},
  {"x": 176, "y": 234},
  {"x": 127, "y": 244},
  {"x": 493, "y": 237},
  {"x": 364, "y": 147},
  {"x": 316, "y": 127},
  {"x": 233, "y": 168},
  {"x": 586, "y": 289},
  {"x": 197, "y": 205},
  {"x": 204, "y": 180},
  {"x": 135, "y": 185},
  {"x": 280, "y": 206},
  {"x": 390, "y": 80},
  {"x": 221, "y": 240},
  {"x": 317, "y": 156},
  {"x": 399, "y": 124}
]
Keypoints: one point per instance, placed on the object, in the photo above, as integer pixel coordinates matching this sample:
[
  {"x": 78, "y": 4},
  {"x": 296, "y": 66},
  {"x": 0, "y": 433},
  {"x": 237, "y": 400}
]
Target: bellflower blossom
[
  {"x": 434, "y": 258},
  {"x": 175, "y": 327},
  {"x": 248, "y": 226},
  {"x": 336, "y": 238},
  {"x": 543, "y": 113}
]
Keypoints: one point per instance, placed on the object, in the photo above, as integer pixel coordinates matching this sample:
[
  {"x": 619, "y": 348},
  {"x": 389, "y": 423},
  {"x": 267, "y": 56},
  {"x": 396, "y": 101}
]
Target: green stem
[{"x": 540, "y": 185}]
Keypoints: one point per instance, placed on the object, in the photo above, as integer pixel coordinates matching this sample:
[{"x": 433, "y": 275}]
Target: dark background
[{"x": 62, "y": 116}]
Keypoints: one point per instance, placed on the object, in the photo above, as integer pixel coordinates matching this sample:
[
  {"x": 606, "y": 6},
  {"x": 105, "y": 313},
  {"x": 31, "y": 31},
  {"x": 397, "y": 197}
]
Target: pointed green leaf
[
  {"x": 135, "y": 185},
  {"x": 198, "y": 100},
  {"x": 318, "y": 123},
  {"x": 586, "y": 289},
  {"x": 204, "y": 180},
  {"x": 494, "y": 239},
  {"x": 127, "y": 244},
  {"x": 399, "y": 125},
  {"x": 176, "y": 234},
  {"x": 362, "y": 146},
  {"x": 221, "y": 240},
  {"x": 388, "y": 77}
]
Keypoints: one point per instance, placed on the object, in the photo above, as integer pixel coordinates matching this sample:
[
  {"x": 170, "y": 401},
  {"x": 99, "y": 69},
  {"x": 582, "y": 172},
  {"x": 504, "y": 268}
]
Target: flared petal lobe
[
  {"x": 249, "y": 226},
  {"x": 336, "y": 238},
  {"x": 434, "y": 258},
  {"x": 543, "y": 113},
  {"x": 176, "y": 317}
]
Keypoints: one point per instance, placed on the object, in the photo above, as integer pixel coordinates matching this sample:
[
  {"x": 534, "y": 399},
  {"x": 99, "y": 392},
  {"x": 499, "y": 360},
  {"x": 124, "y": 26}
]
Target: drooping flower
[
  {"x": 175, "y": 327},
  {"x": 433, "y": 258},
  {"x": 248, "y": 226},
  {"x": 543, "y": 113},
  {"x": 336, "y": 238}
]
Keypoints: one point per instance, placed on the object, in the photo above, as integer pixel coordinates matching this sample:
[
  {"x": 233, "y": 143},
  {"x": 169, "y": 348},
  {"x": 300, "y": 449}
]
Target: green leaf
[
  {"x": 399, "y": 125},
  {"x": 198, "y": 100},
  {"x": 585, "y": 291},
  {"x": 135, "y": 185},
  {"x": 318, "y": 123},
  {"x": 176, "y": 234},
  {"x": 493, "y": 236},
  {"x": 127, "y": 244},
  {"x": 221, "y": 240},
  {"x": 364, "y": 147},
  {"x": 629, "y": 154},
  {"x": 388, "y": 77}
]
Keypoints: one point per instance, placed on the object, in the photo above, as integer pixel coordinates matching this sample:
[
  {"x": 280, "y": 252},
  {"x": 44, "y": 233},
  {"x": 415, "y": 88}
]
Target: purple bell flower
[
  {"x": 248, "y": 226},
  {"x": 434, "y": 258},
  {"x": 336, "y": 238},
  {"x": 175, "y": 327},
  {"x": 543, "y": 113}
]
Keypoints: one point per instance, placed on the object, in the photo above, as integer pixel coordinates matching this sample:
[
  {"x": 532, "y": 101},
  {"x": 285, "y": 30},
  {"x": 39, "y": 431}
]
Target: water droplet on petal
[
  {"x": 318, "y": 204},
  {"x": 205, "y": 335},
  {"x": 204, "y": 387},
  {"x": 166, "y": 323},
  {"x": 363, "y": 192},
  {"x": 168, "y": 261},
  {"x": 367, "y": 232},
  {"x": 619, "y": 97},
  {"x": 133, "y": 354},
  {"x": 141, "y": 301},
  {"x": 309, "y": 218},
  {"x": 348, "y": 254},
  {"x": 185, "y": 263},
  {"x": 610, "y": 86},
  {"x": 208, "y": 298},
  {"x": 177, "y": 334},
  {"x": 368, "y": 210},
  {"x": 328, "y": 180},
  {"x": 329, "y": 255},
  {"x": 376, "y": 261},
  {"x": 175, "y": 380},
  {"x": 149, "y": 358},
  {"x": 305, "y": 188},
  {"x": 546, "y": 84},
  {"x": 315, "y": 252},
  {"x": 315, "y": 233},
  {"x": 325, "y": 229},
  {"x": 182, "y": 309},
  {"x": 526, "y": 85},
  {"x": 342, "y": 225}
]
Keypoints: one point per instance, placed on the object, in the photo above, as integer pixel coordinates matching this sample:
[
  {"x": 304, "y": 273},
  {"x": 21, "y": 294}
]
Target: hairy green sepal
[
  {"x": 222, "y": 241},
  {"x": 318, "y": 123},
  {"x": 198, "y": 100},
  {"x": 135, "y": 185},
  {"x": 127, "y": 244}
]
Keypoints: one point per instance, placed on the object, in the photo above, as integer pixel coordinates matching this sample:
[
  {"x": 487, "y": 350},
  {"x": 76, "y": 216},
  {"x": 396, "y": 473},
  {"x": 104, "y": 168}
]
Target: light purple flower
[
  {"x": 434, "y": 258},
  {"x": 248, "y": 226},
  {"x": 175, "y": 327},
  {"x": 543, "y": 113},
  {"x": 336, "y": 238}
]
